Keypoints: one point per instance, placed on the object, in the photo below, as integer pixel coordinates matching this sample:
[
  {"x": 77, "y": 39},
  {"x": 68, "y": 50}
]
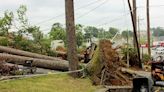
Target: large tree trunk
[
  {"x": 25, "y": 53},
  {"x": 42, "y": 63},
  {"x": 60, "y": 53},
  {"x": 34, "y": 55},
  {"x": 71, "y": 37}
]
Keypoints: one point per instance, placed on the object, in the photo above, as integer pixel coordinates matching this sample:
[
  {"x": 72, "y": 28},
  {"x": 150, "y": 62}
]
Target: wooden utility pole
[
  {"x": 135, "y": 33},
  {"x": 128, "y": 49},
  {"x": 139, "y": 34},
  {"x": 148, "y": 27},
  {"x": 71, "y": 37},
  {"x": 134, "y": 10}
]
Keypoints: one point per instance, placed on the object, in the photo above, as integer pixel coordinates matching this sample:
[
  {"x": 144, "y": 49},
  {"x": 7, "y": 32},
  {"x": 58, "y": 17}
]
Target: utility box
[{"x": 142, "y": 85}]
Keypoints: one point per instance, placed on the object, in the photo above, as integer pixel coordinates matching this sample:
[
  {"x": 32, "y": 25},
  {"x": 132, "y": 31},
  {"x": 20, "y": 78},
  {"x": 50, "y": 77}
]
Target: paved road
[{"x": 38, "y": 70}]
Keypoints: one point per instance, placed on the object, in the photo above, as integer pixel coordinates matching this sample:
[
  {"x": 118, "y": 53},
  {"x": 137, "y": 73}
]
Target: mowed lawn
[{"x": 50, "y": 83}]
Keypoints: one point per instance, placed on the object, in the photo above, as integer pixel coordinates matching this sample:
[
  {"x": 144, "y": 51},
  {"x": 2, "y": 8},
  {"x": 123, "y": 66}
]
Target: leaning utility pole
[
  {"x": 134, "y": 10},
  {"x": 71, "y": 37},
  {"x": 148, "y": 27},
  {"x": 135, "y": 33}
]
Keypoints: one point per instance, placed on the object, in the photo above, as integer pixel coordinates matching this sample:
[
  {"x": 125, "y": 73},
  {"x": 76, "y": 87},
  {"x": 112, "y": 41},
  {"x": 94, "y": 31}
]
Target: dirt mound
[
  {"x": 108, "y": 55},
  {"x": 104, "y": 66}
]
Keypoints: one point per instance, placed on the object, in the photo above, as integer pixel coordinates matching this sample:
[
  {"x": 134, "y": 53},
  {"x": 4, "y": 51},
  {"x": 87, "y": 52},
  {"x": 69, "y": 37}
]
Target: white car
[{"x": 159, "y": 51}]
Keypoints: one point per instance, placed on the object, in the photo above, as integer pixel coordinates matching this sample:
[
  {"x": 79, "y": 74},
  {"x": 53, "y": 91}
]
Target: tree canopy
[
  {"x": 127, "y": 33},
  {"x": 113, "y": 31},
  {"x": 30, "y": 38},
  {"x": 158, "y": 31},
  {"x": 57, "y": 32},
  {"x": 5, "y": 23}
]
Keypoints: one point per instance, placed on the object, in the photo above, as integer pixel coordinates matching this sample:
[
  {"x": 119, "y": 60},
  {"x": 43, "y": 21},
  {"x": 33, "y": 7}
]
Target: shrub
[
  {"x": 4, "y": 41},
  {"x": 133, "y": 56},
  {"x": 145, "y": 58}
]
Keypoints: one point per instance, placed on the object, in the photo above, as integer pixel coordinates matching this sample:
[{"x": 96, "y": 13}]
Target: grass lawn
[{"x": 50, "y": 83}]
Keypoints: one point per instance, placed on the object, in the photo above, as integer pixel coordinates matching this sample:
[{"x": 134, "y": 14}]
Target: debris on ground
[
  {"x": 104, "y": 67},
  {"x": 7, "y": 69}
]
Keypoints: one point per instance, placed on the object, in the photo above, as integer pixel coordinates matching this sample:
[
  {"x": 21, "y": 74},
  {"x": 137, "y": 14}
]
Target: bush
[
  {"x": 4, "y": 41},
  {"x": 51, "y": 53},
  {"x": 145, "y": 58},
  {"x": 133, "y": 56}
]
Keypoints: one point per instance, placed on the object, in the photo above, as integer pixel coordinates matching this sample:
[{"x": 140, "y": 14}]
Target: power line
[
  {"x": 44, "y": 21},
  {"x": 86, "y": 12},
  {"x": 151, "y": 6},
  {"x": 124, "y": 12},
  {"x": 62, "y": 14},
  {"x": 116, "y": 19},
  {"x": 109, "y": 22},
  {"x": 113, "y": 20},
  {"x": 88, "y": 4},
  {"x": 92, "y": 10},
  {"x": 127, "y": 35},
  {"x": 156, "y": 5}
]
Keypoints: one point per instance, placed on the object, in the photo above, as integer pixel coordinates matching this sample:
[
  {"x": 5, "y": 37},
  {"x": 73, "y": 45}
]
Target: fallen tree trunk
[
  {"x": 60, "y": 53},
  {"x": 136, "y": 72},
  {"x": 25, "y": 53},
  {"x": 42, "y": 63},
  {"x": 34, "y": 55}
]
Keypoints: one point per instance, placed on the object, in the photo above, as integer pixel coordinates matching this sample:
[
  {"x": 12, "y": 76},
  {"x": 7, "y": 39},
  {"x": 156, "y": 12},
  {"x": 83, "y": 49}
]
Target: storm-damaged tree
[
  {"x": 5, "y": 26},
  {"x": 5, "y": 23}
]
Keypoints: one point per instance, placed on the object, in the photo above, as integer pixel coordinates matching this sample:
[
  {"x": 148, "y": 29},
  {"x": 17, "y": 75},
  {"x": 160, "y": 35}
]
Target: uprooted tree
[{"x": 104, "y": 66}]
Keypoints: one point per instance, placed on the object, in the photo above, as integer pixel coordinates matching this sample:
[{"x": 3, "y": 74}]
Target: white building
[{"x": 93, "y": 40}]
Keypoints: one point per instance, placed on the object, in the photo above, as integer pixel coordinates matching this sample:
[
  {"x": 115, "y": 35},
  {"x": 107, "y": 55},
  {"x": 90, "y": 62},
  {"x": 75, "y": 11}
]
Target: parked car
[{"x": 159, "y": 50}]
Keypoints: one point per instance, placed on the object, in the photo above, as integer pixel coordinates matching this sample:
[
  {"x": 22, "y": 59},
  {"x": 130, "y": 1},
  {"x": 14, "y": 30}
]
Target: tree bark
[
  {"x": 134, "y": 10},
  {"x": 25, "y": 53},
  {"x": 71, "y": 37},
  {"x": 42, "y": 63},
  {"x": 65, "y": 53},
  {"x": 148, "y": 26}
]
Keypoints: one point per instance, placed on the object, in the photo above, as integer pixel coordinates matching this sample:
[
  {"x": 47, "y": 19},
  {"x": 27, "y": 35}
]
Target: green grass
[{"x": 50, "y": 83}]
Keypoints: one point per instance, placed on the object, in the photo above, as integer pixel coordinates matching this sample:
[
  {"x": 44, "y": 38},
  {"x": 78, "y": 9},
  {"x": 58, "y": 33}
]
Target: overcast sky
[{"x": 100, "y": 13}]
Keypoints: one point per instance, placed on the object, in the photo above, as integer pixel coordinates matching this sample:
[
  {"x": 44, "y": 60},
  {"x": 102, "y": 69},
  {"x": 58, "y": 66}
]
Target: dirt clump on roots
[
  {"x": 104, "y": 68},
  {"x": 6, "y": 69}
]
